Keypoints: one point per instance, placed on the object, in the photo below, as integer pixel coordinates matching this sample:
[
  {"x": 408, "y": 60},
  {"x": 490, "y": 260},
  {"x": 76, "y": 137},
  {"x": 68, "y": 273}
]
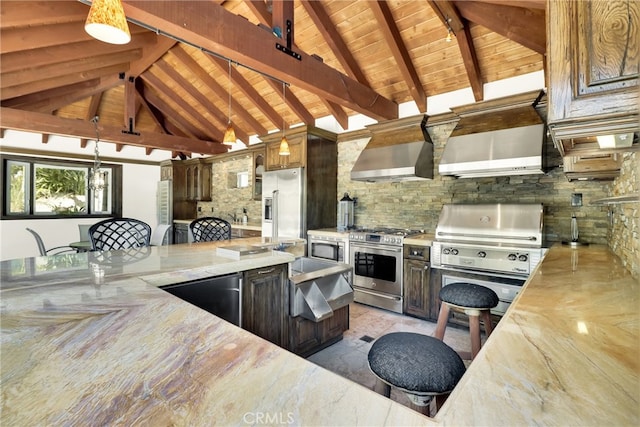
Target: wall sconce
[
  {"x": 96, "y": 179},
  {"x": 284, "y": 144},
  {"x": 107, "y": 22},
  {"x": 229, "y": 134}
]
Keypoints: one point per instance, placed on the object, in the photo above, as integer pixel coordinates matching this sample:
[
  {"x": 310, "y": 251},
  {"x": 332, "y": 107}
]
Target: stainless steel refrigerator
[{"x": 283, "y": 203}]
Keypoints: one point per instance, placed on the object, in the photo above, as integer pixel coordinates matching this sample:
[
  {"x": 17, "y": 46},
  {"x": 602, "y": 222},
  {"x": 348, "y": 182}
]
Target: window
[{"x": 43, "y": 188}]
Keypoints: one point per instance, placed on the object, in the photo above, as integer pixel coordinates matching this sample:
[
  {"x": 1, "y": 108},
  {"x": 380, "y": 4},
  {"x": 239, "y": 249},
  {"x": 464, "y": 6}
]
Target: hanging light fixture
[
  {"x": 96, "y": 179},
  {"x": 107, "y": 22},
  {"x": 229, "y": 134},
  {"x": 284, "y": 144},
  {"x": 449, "y": 31}
]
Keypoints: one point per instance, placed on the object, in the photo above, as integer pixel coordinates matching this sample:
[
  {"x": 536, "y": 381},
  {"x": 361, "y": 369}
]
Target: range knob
[
  {"x": 512, "y": 257},
  {"x": 454, "y": 251},
  {"x": 523, "y": 258},
  {"x": 482, "y": 254},
  {"x": 446, "y": 251}
]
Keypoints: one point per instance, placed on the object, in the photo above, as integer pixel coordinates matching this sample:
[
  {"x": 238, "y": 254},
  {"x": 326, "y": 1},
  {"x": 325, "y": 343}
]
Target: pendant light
[
  {"x": 96, "y": 179},
  {"x": 284, "y": 144},
  {"x": 229, "y": 134},
  {"x": 107, "y": 22}
]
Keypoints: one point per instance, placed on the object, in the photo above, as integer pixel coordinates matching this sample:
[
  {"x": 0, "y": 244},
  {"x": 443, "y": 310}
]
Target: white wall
[{"x": 138, "y": 193}]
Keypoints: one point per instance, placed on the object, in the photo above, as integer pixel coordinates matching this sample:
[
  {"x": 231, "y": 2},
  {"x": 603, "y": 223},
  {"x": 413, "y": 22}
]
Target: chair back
[
  {"x": 119, "y": 233},
  {"x": 84, "y": 232},
  {"x": 210, "y": 229},
  {"x": 39, "y": 242},
  {"x": 161, "y": 235},
  {"x": 43, "y": 249}
]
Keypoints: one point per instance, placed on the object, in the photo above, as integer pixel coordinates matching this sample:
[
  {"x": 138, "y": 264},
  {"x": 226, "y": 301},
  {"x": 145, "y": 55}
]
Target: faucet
[{"x": 233, "y": 217}]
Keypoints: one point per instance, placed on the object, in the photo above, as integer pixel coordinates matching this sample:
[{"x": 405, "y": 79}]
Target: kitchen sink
[{"x": 317, "y": 288}]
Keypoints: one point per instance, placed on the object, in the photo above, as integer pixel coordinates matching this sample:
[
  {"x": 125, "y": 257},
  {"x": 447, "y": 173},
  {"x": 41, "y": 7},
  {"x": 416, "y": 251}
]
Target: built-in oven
[
  {"x": 328, "y": 246},
  {"x": 377, "y": 275}
]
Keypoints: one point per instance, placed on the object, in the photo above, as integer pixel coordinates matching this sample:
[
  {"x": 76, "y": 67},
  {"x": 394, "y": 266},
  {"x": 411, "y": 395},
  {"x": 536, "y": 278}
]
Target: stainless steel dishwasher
[{"x": 220, "y": 295}]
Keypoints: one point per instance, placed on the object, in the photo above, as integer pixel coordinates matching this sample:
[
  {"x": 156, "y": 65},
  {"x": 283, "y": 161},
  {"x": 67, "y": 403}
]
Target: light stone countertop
[
  {"x": 249, "y": 226},
  {"x": 76, "y": 351}
]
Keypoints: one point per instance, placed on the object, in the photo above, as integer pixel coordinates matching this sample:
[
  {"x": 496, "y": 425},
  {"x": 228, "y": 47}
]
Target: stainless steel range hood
[
  {"x": 399, "y": 150},
  {"x": 509, "y": 141}
]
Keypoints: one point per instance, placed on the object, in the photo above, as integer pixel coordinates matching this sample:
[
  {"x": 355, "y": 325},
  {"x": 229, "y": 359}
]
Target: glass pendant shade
[
  {"x": 229, "y": 135},
  {"x": 284, "y": 147},
  {"x": 97, "y": 180},
  {"x": 107, "y": 22}
]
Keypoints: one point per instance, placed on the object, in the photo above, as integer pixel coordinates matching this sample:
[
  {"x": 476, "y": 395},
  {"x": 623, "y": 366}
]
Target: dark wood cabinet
[
  {"x": 265, "y": 303},
  {"x": 416, "y": 288},
  {"x": 593, "y": 68},
  {"x": 307, "y": 337},
  {"x": 191, "y": 183}
]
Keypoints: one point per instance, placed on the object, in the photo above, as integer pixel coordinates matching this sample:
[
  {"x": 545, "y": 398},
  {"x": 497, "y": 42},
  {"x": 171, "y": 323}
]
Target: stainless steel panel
[{"x": 387, "y": 302}]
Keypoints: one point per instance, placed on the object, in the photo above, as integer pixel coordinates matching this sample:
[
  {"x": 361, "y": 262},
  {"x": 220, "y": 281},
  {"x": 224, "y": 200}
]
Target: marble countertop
[{"x": 79, "y": 350}]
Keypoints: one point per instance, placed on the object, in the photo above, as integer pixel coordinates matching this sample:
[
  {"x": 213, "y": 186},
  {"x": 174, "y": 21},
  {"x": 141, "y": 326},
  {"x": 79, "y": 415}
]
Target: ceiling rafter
[
  {"x": 161, "y": 87},
  {"x": 245, "y": 87},
  {"x": 448, "y": 14},
  {"x": 44, "y": 123},
  {"x": 399, "y": 51},
  {"x": 215, "y": 29},
  {"x": 237, "y": 109},
  {"x": 92, "y": 111},
  {"x": 511, "y": 22}
]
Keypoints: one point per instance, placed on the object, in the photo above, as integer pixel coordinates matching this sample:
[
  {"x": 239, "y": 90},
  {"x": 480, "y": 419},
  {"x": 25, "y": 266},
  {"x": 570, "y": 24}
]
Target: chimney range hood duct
[
  {"x": 496, "y": 143},
  {"x": 399, "y": 150}
]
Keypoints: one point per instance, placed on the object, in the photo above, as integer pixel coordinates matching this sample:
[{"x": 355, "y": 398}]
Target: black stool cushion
[
  {"x": 469, "y": 295},
  {"x": 416, "y": 363}
]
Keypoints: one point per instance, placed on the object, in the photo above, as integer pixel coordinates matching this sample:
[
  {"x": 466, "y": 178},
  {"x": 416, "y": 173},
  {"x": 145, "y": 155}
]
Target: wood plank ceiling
[{"x": 169, "y": 87}]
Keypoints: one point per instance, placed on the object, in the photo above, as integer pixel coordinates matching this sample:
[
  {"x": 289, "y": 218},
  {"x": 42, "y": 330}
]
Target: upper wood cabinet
[
  {"x": 191, "y": 182},
  {"x": 593, "y": 62},
  {"x": 303, "y": 142}
]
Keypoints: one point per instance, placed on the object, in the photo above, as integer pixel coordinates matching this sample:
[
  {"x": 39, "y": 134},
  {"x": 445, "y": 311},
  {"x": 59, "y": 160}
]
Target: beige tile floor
[{"x": 348, "y": 357}]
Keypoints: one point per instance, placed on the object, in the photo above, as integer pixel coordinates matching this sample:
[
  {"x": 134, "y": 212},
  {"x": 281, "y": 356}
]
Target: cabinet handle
[{"x": 271, "y": 270}]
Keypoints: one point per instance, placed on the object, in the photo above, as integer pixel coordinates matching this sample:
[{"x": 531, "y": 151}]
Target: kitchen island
[{"x": 78, "y": 348}]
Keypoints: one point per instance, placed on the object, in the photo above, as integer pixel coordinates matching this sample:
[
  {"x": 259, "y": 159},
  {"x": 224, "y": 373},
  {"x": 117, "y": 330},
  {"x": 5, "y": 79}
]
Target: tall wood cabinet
[
  {"x": 265, "y": 303},
  {"x": 593, "y": 68},
  {"x": 316, "y": 151}
]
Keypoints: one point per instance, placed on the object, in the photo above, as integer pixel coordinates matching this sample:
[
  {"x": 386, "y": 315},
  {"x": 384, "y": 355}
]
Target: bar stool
[
  {"x": 475, "y": 301},
  {"x": 421, "y": 366}
]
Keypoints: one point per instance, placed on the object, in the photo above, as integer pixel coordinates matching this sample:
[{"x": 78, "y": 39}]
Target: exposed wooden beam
[
  {"x": 39, "y": 13},
  {"x": 51, "y": 83},
  {"x": 281, "y": 15},
  {"x": 150, "y": 54},
  {"x": 214, "y": 111},
  {"x": 245, "y": 87},
  {"x": 211, "y": 27},
  {"x": 236, "y": 107},
  {"x": 129, "y": 118},
  {"x": 76, "y": 68},
  {"x": 399, "y": 51},
  {"x": 92, "y": 110},
  {"x": 44, "y": 123},
  {"x": 529, "y": 4},
  {"x": 338, "y": 113},
  {"x": 292, "y": 102},
  {"x": 260, "y": 11},
  {"x": 448, "y": 14},
  {"x": 515, "y": 23},
  {"x": 330, "y": 34}
]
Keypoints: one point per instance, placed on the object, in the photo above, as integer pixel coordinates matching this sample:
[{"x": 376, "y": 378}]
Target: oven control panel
[{"x": 508, "y": 260}]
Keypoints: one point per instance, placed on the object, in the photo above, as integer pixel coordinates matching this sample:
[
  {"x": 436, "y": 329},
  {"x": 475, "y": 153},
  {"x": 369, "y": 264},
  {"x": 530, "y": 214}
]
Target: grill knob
[
  {"x": 512, "y": 257},
  {"x": 454, "y": 251},
  {"x": 482, "y": 254},
  {"x": 523, "y": 258}
]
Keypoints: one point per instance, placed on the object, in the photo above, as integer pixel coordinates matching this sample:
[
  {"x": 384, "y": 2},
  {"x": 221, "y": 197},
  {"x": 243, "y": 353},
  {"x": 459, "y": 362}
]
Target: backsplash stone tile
[{"x": 624, "y": 232}]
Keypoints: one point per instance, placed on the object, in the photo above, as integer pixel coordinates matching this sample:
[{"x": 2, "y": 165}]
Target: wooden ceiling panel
[{"x": 48, "y": 63}]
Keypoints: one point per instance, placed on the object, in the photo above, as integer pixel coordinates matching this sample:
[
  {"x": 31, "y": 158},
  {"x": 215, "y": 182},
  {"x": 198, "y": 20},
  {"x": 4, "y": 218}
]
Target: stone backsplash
[{"x": 417, "y": 204}]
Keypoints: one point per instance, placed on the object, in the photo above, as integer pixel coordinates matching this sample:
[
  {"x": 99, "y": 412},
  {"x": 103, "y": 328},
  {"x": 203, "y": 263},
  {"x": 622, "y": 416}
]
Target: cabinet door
[
  {"x": 297, "y": 158},
  {"x": 416, "y": 288},
  {"x": 265, "y": 303},
  {"x": 333, "y": 327},
  {"x": 593, "y": 58},
  {"x": 304, "y": 336}
]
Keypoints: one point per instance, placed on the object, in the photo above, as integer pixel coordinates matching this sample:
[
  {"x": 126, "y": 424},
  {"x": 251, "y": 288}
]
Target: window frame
[{"x": 116, "y": 187}]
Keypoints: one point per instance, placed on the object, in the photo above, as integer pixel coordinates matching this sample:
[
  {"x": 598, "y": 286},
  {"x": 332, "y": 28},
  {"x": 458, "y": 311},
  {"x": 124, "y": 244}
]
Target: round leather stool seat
[
  {"x": 417, "y": 364},
  {"x": 469, "y": 295}
]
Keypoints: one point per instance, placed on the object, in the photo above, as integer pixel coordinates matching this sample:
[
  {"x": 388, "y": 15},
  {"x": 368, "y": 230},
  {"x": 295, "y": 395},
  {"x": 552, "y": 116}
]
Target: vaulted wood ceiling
[{"x": 169, "y": 87}]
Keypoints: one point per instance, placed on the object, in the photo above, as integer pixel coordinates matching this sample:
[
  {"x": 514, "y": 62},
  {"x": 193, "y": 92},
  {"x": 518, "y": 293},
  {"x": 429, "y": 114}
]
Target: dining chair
[
  {"x": 161, "y": 235},
  {"x": 84, "y": 232},
  {"x": 119, "y": 233},
  {"x": 51, "y": 251},
  {"x": 210, "y": 229}
]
